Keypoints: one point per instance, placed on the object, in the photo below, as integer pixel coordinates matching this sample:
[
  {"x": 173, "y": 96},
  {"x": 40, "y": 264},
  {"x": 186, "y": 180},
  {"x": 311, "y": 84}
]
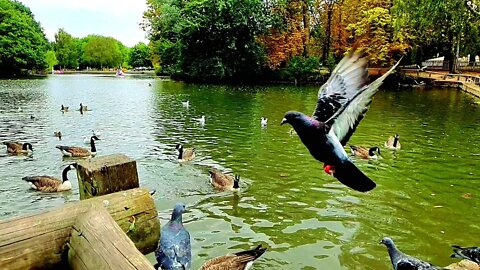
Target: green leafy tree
[
  {"x": 208, "y": 39},
  {"x": 66, "y": 49},
  {"x": 51, "y": 59},
  {"x": 140, "y": 56},
  {"x": 22, "y": 42},
  {"x": 100, "y": 52}
]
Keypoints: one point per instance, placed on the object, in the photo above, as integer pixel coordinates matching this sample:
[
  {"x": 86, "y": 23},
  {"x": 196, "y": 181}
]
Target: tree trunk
[
  {"x": 326, "y": 48},
  {"x": 306, "y": 28}
]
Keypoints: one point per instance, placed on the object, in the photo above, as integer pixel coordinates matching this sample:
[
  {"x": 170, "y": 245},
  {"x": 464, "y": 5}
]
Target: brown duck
[
  {"x": 364, "y": 152},
  {"x": 185, "y": 154},
  {"x": 237, "y": 261},
  {"x": 223, "y": 181},
  {"x": 393, "y": 143},
  {"x": 18, "y": 148},
  {"x": 51, "y": 184},
  {"x": 74, "y": 151}
]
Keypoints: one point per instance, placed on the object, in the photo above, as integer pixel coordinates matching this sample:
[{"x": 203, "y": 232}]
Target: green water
[{"x": 287, "y": 203}]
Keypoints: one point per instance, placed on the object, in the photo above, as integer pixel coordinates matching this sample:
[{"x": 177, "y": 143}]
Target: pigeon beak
[{"x": 284, "y": 120}]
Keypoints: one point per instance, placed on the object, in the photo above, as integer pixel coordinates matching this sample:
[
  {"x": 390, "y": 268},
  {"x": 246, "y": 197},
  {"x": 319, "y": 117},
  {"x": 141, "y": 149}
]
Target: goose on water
[
  {"x": 201, "y": 120},
  {"x": 186, "y": 103},
  {"x": 263, "y": 122},
  {"x": 393, "y": 143},
  {"x": 51, "y": 184},
  {"x": 364, "y": 152},
  {"x": 223, "y": 181},
  {"x": 342, "y": 103},
  {"x": 185, "y": 154},
  {"x": 18, "y": 148},
  {"x": 75, "y": 151}
]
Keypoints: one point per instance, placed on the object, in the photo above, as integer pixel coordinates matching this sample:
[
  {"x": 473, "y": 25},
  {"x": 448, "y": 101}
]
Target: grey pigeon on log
[
  {"x": 174, "y": 250},
  {"x": 401, "y": 261},
  {"x": 342, "y": 103},
  {"x": 469, "y": 253}
]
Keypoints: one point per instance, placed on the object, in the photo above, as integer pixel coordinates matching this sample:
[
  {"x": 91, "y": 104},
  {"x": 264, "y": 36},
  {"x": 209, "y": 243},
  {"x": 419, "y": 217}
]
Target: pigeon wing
[
  {"x": 348, "y": 116},
  {"x": 346, "y": 79},
  {"x": 184, "y": 250},
  {"x": 410, "y": 263}
]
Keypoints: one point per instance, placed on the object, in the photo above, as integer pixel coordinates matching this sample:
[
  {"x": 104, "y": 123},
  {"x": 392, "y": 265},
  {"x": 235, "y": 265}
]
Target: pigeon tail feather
[{"x": 351, "y": 176}]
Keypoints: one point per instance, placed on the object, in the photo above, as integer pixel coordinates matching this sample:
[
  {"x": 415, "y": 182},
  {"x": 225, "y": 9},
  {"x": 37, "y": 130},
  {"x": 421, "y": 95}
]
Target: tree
[
  {"x": 51, "y": 59},
  {"x": 22, "y": 42},
  {"x": 100, "y": 52},
  {"x": 66, "y": 49},
  {"x": 140, "y": 56},
  {"x": 208, "y": 39}
]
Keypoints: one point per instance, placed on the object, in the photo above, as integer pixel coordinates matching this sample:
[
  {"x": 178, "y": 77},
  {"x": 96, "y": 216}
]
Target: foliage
[
  {"x": 66, "y": 49},
  {"x": 22, "y": 42},
  {"x": 374, "y": 34},
  {"x": 51, "y": 59},
  {"x": 302, "y": 68},
  {"x": 100, "y": 52},
  {"x": 208, "y": 39},
  {"x": 139, "y": 56}
]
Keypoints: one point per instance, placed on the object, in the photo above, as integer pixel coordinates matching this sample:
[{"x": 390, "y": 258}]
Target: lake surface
[{"x": 427, "y": 196}]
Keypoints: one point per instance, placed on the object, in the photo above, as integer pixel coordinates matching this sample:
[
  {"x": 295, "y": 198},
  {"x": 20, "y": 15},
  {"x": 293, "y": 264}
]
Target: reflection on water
[{"x": 307, "y": 219}]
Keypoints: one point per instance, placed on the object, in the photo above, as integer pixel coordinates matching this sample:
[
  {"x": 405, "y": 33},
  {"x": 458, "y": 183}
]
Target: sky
[{"x": 114, "y": 18}]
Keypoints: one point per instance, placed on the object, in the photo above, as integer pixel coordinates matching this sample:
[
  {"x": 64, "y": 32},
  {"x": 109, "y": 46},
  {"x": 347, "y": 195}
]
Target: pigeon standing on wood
[
  {"x": 401, "y": 261},
  {"x": 342, "y": 103},
  {"x": 174, "y": 251}
]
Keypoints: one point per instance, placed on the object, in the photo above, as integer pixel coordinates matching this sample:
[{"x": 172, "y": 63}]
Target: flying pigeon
[
  {"x": 342, "y": 103},
  {"x": 174, "y": 251},
  {"x": 469, "y": 253},
  {"x": 401, "y": 261}
]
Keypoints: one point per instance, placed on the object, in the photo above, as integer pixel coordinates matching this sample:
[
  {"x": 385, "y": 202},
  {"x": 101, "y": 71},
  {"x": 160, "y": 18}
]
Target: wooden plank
[
  {"x": 39, "y": 241},
  {"x": 106, "y": 174},
  {"x": 97, "y": 242}
]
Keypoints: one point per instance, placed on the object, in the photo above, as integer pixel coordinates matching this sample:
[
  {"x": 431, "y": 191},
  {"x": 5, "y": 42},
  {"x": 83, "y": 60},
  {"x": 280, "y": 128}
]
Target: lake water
[{"x": 427, "y": 196}]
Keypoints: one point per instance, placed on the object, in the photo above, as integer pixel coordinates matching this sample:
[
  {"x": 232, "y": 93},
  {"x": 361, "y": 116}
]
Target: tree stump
[
  {"x": 39, "y": 241},
  {"x": 98, "y": 243},
  {"x": 106, "y": 174}
]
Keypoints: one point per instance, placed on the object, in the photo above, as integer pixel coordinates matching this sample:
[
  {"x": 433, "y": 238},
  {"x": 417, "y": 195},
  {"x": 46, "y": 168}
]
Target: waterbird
[
  {"x": 86, "y": 139},
  {"x": 242, "y": 260},
  {"x": 174, "y": 250},
  {"x": 18, "y": 148},
  {"x": 263, "y": 122},
  {"x": 393, "y": 143},
  {"x": 64, "y": 108},
  {"x": 49, "y": 183},
  {"x": 222, "y": 181},
  {"x": 401, "y": 261},
  {"x": 469, "y": 253},
  {"x": 57, "y": 134},
  {"x": 342, "y": 103},
  {"x": 201, "y": 120},
  {"x": 186, "y": 103},
  {"x": 185, "y": 154},
  {"x": 75, "y": 151},
  {"x": 364, "y": 152}
]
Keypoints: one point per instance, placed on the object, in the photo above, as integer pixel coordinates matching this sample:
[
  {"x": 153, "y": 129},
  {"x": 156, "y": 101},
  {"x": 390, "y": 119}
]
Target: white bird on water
[
  {"x": 264, "y": 122},
  {"x": 201, "y": 120},
  {"x": 186, "y": 103}
]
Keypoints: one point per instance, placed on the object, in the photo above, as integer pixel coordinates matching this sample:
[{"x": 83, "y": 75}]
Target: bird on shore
[
  {"x": 75, "y": 151},
  {"x": 364, "y": 152},
  {"x": 174, "y": 251},
  {"x": 222, "y": 181},
  {"x": 342, "y": 103},
  {"x": 393, "y": 143},
  {"x": 18, "y": 148},
  {"x": 185, "y": 154},
  {"x": 51, "y": 184},
  {"x": 469, "y": 253},
  {"x": 263, "y": 122},
  {"x": 242, "y": 260},
  {"x": 401, "y": 261}
]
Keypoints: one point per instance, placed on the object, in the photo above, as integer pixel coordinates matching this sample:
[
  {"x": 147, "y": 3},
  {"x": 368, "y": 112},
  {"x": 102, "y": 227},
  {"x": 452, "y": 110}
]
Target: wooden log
[
  {"x": 106, "y": 174},
  {"x": 97, "y": 242},
  {"x": 39, "y": 241}
]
